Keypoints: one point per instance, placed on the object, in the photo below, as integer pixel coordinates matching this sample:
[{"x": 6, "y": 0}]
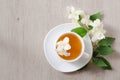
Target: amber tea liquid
[{"x": 76, "y": 46}]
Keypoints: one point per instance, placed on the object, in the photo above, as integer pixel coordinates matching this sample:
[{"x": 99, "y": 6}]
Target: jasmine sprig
[{"x": 103, "y": 45}]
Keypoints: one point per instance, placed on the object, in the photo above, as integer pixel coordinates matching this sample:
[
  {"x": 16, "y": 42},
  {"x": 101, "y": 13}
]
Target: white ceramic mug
[{"x": 83, "y": 54}]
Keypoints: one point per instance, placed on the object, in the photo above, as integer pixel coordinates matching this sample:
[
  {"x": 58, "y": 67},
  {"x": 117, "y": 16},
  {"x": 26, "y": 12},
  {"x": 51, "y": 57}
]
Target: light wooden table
[{"x": 23, "y": 26}]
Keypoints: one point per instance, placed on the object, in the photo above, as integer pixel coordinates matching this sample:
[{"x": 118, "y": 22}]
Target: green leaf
[
  {"x": 90, "y": 27},
  {"x": 95, "y": 16},
  {"x": 106, "y": 42},
  {"x": 80, "y": 30},
  {"x": 102, "y": 62},
  {"x": 104, "y": 50}
]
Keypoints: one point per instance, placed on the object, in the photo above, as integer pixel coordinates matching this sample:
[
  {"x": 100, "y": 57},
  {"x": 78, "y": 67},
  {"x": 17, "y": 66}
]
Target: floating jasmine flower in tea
[{"x": 63, "y": 46}]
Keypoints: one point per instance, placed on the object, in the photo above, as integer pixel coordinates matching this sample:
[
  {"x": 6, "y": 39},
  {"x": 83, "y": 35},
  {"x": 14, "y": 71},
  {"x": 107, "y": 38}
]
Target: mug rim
[{"x": 82, "y": 51}]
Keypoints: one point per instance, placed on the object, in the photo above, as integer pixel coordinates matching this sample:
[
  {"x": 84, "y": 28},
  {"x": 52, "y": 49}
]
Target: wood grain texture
[{"x": 23, "y": 26}]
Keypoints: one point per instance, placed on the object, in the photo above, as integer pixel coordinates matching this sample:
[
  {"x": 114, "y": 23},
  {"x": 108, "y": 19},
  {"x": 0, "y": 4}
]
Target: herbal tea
[{"x": 69, "y": 46}]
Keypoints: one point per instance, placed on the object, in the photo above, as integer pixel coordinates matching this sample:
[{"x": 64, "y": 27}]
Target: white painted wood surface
[{"x": 23, "y": 26}]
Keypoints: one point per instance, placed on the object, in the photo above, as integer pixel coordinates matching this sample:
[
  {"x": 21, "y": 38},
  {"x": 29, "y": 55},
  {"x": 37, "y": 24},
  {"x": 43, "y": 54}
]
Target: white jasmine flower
[
  {"x": 63, "y": 46},
  {"x": 86, "y": 21},
  {"x": 74, "y": 14},
  {"x": 97, "y": 33},
  {"x": 97, "y": 36},
  {"x": 96, "y": 23},
  {"x": 97, "y": 27}
]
